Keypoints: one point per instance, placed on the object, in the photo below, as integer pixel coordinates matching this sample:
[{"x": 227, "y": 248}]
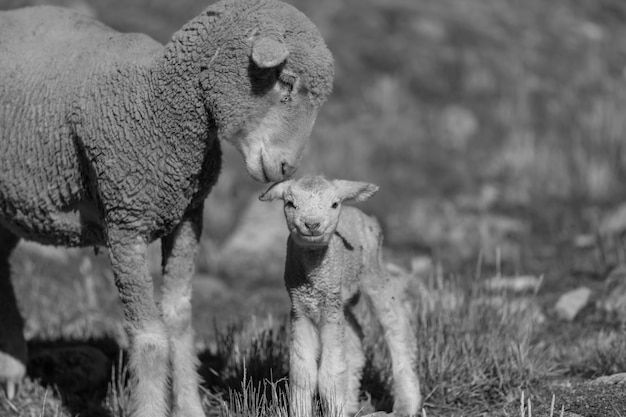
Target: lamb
[
  {"x": 111, "y": 139},
  {"x": 334, "y": 262}
]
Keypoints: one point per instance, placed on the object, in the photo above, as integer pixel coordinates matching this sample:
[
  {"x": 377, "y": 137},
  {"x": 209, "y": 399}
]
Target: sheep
[
  {"x": 111, "y": 139},
  {"x": 334, "y": 260}
]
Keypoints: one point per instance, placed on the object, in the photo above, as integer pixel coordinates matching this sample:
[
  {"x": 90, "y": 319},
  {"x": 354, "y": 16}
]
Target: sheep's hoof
[{"x": 12, "y": 372}]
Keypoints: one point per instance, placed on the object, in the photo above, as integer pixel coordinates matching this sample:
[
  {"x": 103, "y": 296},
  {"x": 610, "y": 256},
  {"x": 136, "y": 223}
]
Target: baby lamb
[{"x": 333, "y": 258}]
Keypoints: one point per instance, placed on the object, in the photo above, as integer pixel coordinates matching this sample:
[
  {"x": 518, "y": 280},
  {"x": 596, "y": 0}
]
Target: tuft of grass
[
  {"x": 473, "y": 355},
  {"x": 599, "y": 354},
  {"x": 253, "y": 352},
  {"x": 264, "y": 399}
]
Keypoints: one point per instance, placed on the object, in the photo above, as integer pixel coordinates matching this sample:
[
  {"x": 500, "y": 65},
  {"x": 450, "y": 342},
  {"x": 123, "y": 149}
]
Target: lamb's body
[
  {"x": 352, "y": 254},
  {"x": 334, "y": 261},
  {"x": 113, "y": 139}
]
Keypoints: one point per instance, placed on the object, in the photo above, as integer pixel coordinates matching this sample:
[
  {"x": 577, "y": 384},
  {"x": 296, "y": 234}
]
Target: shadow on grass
[
  {"x": 474, "y": 354},
  {"x": 79, "y": 370},
  {"x": 90, "y": 375}
]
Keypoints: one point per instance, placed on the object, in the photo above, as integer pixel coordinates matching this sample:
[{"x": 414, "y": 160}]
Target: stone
[
  {"x": 572, "y": 302},
  {"x": 614, "y": 221},
  {"x": 516, "y": 284},
  {"x": 615, "y": 379},
  {"x": 613, "y": 300}
]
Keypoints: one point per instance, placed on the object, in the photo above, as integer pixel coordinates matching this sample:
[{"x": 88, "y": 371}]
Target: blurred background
[{"x": 495, "y": 129}]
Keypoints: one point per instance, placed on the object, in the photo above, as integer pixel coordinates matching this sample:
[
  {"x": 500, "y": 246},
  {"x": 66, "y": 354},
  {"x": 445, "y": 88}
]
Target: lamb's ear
[
  {"x": 268, "y": 52},
  {"x": 275, "y": 191},
  {"x": 355, "y": 190}
]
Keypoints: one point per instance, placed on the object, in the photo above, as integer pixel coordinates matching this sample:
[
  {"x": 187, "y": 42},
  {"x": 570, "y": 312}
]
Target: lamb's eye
[
  {"x": 290, "y": 204},
  {"x": 335, "y": 205}
]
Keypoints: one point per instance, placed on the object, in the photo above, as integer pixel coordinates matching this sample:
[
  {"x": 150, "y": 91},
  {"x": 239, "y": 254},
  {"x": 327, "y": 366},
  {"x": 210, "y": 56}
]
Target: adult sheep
[{"x": 113, "y": 139}]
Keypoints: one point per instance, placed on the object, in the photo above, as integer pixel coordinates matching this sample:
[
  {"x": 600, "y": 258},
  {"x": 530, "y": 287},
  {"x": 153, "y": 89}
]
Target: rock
[
  {"x": 422, "y": 266},
  {"x": 430, "y": 28},
  {"x": 518, "y": 284},
  {"x": 613, "y": 299},
  {"x": 570, "y": 303},
  {"x": 585, "y": 241},
  {"x": 615, "y": 379},
  {"x": 613, "y": 222},
  {"x": 592, "y": 31}
]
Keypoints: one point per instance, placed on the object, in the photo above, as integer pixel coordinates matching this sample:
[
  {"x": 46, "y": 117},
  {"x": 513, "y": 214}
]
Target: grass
[{"x": 473, "y": 357}]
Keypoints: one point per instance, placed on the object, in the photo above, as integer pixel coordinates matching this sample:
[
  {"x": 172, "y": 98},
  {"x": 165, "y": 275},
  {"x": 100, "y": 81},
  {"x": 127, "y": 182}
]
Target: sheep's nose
[
  {"x": 312, "y": 226},
  {"x": 287, "y": 169}
]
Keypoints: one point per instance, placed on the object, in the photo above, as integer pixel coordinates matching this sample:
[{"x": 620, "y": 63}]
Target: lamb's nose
[{"x": 312, "y": 226}]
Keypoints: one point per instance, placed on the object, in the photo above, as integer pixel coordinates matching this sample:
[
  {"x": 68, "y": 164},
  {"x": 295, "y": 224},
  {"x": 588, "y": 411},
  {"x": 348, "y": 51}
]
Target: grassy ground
[
  {"x": 479, "y": 352},
  {"x": 495, "y": 130}
]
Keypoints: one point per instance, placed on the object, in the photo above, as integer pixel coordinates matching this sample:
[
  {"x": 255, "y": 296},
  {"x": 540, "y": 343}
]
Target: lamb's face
[
  {"x": 312, "y": 213},
  {"x": 313, "y": 204}
]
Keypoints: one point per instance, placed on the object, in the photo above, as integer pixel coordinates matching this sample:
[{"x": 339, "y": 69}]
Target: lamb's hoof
[{"x": 12, "y": 373}]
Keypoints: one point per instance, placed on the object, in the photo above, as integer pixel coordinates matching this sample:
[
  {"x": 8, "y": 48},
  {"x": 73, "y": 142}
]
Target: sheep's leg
[
  {"x": 355, "y": 359},
  {"x": 333, "y": 372},
  {"x": 149, "y": 352},
  {"x": 402, "y": 344},
  {"x": 179, "y": 249},
  {"x": 303, "y": 353},
  {"x": 12, "y": 343}
]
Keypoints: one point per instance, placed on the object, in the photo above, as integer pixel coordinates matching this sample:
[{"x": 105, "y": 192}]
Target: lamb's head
[
  {"x": 312, "y": 205},
  {"x": 264, "y": 73}
]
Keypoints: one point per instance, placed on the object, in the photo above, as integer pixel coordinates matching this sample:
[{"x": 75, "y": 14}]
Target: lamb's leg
[
  {"x": 12, "y": 343},
  {"x": 355, "y": 359},
  {"x": 179, "y": 249},
  {"x": 303, "y": 351},
  {"x": 402, "y": 344},
  {"x": 149, "y": 352},
  {"x": 333, "y": 373}
]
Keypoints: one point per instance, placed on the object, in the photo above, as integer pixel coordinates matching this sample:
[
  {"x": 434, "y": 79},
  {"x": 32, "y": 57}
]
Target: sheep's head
[
  {"x": 312, "y": 205},
  {"x": 264, "y": 76}
]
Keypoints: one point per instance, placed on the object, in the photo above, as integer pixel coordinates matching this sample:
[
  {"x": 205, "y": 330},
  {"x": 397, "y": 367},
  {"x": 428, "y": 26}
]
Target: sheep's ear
[
  {"x": 355, "y": 190},
  {"x": 275, "y": 191},
  {"x": 268, "y": 52}
]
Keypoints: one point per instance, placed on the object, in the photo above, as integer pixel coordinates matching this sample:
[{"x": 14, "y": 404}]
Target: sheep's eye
[
  {"x": 335, "y": 205},
  {"x": 287, "y": 79},
  {"x": 288, "y": 82},
  {"x": 290, "y": 204}
]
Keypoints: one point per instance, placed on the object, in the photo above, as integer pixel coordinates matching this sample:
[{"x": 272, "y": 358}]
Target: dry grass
[{"x": 472, "y": 358}]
